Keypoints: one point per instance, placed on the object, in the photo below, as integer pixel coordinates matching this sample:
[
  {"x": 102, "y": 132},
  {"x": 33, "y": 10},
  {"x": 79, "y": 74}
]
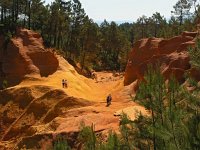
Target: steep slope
[{"x": 25, "y": 55}]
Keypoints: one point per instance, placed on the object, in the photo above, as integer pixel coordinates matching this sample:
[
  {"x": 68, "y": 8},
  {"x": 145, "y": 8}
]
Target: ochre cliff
[
  {"x": 171, "y": 54},
  {"x": 25, "y": 55}
]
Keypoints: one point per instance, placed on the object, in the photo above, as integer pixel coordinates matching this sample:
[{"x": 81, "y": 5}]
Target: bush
[
  {"x": 194, "y": 54},
  {"x": 61, "y": 144},
  {"x": 5, "y": 84},
  {"x": 87, "y": 137}
]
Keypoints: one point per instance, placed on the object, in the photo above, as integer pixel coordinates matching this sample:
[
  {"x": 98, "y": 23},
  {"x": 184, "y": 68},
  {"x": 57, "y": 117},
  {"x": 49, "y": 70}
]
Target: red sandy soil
[{"x": 37, "y": 106}]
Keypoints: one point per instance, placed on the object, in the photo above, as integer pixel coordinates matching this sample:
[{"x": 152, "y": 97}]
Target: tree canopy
[{"x": 65, "y": 26}]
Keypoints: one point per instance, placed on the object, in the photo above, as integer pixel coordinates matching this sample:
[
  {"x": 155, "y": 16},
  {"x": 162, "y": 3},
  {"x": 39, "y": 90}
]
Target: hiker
[
  {"x": 63, "y": 83},
  {"x": 66, "y": 85},
  {"x": 109, "y": 99}
]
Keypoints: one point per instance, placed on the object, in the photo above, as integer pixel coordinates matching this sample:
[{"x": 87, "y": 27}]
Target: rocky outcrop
[
  {"x": 26, "y": 111},
  {"x": 171, "y": 54},
  {"x": 25, "y": 55}
]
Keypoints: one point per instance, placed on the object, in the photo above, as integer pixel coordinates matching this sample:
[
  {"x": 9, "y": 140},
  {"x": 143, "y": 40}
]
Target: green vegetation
[
  {"x": 4, "y": 84},
  {"x": 195, "y": 55},
  {"x": 173, "y": 115},
  {"x": 93, "y": 141},
  {"x": 88, "y": 137},
  {"x": 64, "y": 25},
  {"x": 60, "y": 144}
]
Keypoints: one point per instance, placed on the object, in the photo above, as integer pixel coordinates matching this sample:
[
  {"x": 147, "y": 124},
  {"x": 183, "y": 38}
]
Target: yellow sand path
[{"x": 78, "y": 85}]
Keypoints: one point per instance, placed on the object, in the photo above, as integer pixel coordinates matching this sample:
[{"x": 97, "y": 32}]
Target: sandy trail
[
  {"x": 83, "y": 101},
  {"x": 96, "y": 91},
  {"x": 78, "y": 86},
  {"x": 93, "y": 90}
]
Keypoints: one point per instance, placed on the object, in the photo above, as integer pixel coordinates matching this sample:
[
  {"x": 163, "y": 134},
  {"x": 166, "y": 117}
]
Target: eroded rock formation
[
  {"x": 171, "y": 54},
  {"x": 25, "y": 55}
]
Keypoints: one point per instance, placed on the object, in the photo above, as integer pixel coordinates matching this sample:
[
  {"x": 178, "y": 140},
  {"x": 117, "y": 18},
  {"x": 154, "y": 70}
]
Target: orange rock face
[
  {"x": 24, "y": 55},
  {"x": 171, "y": 54}
]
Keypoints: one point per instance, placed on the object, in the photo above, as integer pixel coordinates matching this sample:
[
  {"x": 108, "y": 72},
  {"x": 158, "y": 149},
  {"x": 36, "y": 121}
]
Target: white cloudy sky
[{"x": 128, "y": 10}]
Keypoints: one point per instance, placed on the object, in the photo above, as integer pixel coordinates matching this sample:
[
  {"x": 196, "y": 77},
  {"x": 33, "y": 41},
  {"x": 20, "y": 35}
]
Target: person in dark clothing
[
  {"x": 63, "y": 83},
  {"x": 66, "y": 85},
  {"x": 109, "y": 99}
]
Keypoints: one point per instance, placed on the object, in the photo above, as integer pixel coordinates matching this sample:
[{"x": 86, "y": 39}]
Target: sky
[{"x": 125, "y": 10}]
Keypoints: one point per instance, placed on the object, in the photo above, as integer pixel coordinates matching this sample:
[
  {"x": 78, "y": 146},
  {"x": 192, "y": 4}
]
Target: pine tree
[
  {"x": 172, "y": 115},
  {"x": 181, "y": 9}
]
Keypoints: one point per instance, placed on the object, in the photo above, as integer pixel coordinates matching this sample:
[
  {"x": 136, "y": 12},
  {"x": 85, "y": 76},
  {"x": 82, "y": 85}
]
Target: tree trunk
[
  {"x": 50, "y": 34},
  {"x": 83, "y": 61},
  {"x": 181, "y": 18},
  {"x": 29, "y": 15},
  {"x": 59, "y": 38},
  {"x": 55, "y": 34},
  {"x": 13, "y": 10},
  {"x": 5, "y": 13},
  {"x": 2, "y": 14},
  {"x": 132, "y": 39},
  {"x": 17, "y": 11},
  {"x": 154, "y": 136},
  {"x": 142, "y": 30},
  {"x": 155, "y": 32},
  {"x": 24, "y": 22}
]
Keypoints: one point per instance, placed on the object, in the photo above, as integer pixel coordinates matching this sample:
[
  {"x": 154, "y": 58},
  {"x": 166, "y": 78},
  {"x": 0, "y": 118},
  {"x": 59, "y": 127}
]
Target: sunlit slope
[{"x": 78, "y": 85}]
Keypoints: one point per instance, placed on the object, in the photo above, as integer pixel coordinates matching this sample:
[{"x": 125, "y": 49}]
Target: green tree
[
  {"x": 182, "y": 9},
  {"x": 36, "y": 13},
  {"x": 142, "y": 23},
  {"x": 61, "y": 144},
  {"x": 89, "y": 41},
  {"x": 77, "y": 18},
  {"x": 114, "y": 46},
  {"x": 158, "y": 23},
  {"x": 195, "y": 55},
  {"x": 174, "y": 113}
]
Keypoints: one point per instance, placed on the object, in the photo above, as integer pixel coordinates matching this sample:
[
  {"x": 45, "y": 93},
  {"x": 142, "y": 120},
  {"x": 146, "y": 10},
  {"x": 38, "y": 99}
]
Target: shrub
[
  {"x": 87, "y": 137},
  {"x": 5, "y": 84},
  {"x": 61, "y": 144}
]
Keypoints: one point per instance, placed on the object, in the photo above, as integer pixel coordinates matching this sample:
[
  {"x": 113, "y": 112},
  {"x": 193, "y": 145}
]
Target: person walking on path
[
  {"x": 66, "y": 84},
  {"x": 108, "y": 100},
  {"x": 63, "y": 83}
]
